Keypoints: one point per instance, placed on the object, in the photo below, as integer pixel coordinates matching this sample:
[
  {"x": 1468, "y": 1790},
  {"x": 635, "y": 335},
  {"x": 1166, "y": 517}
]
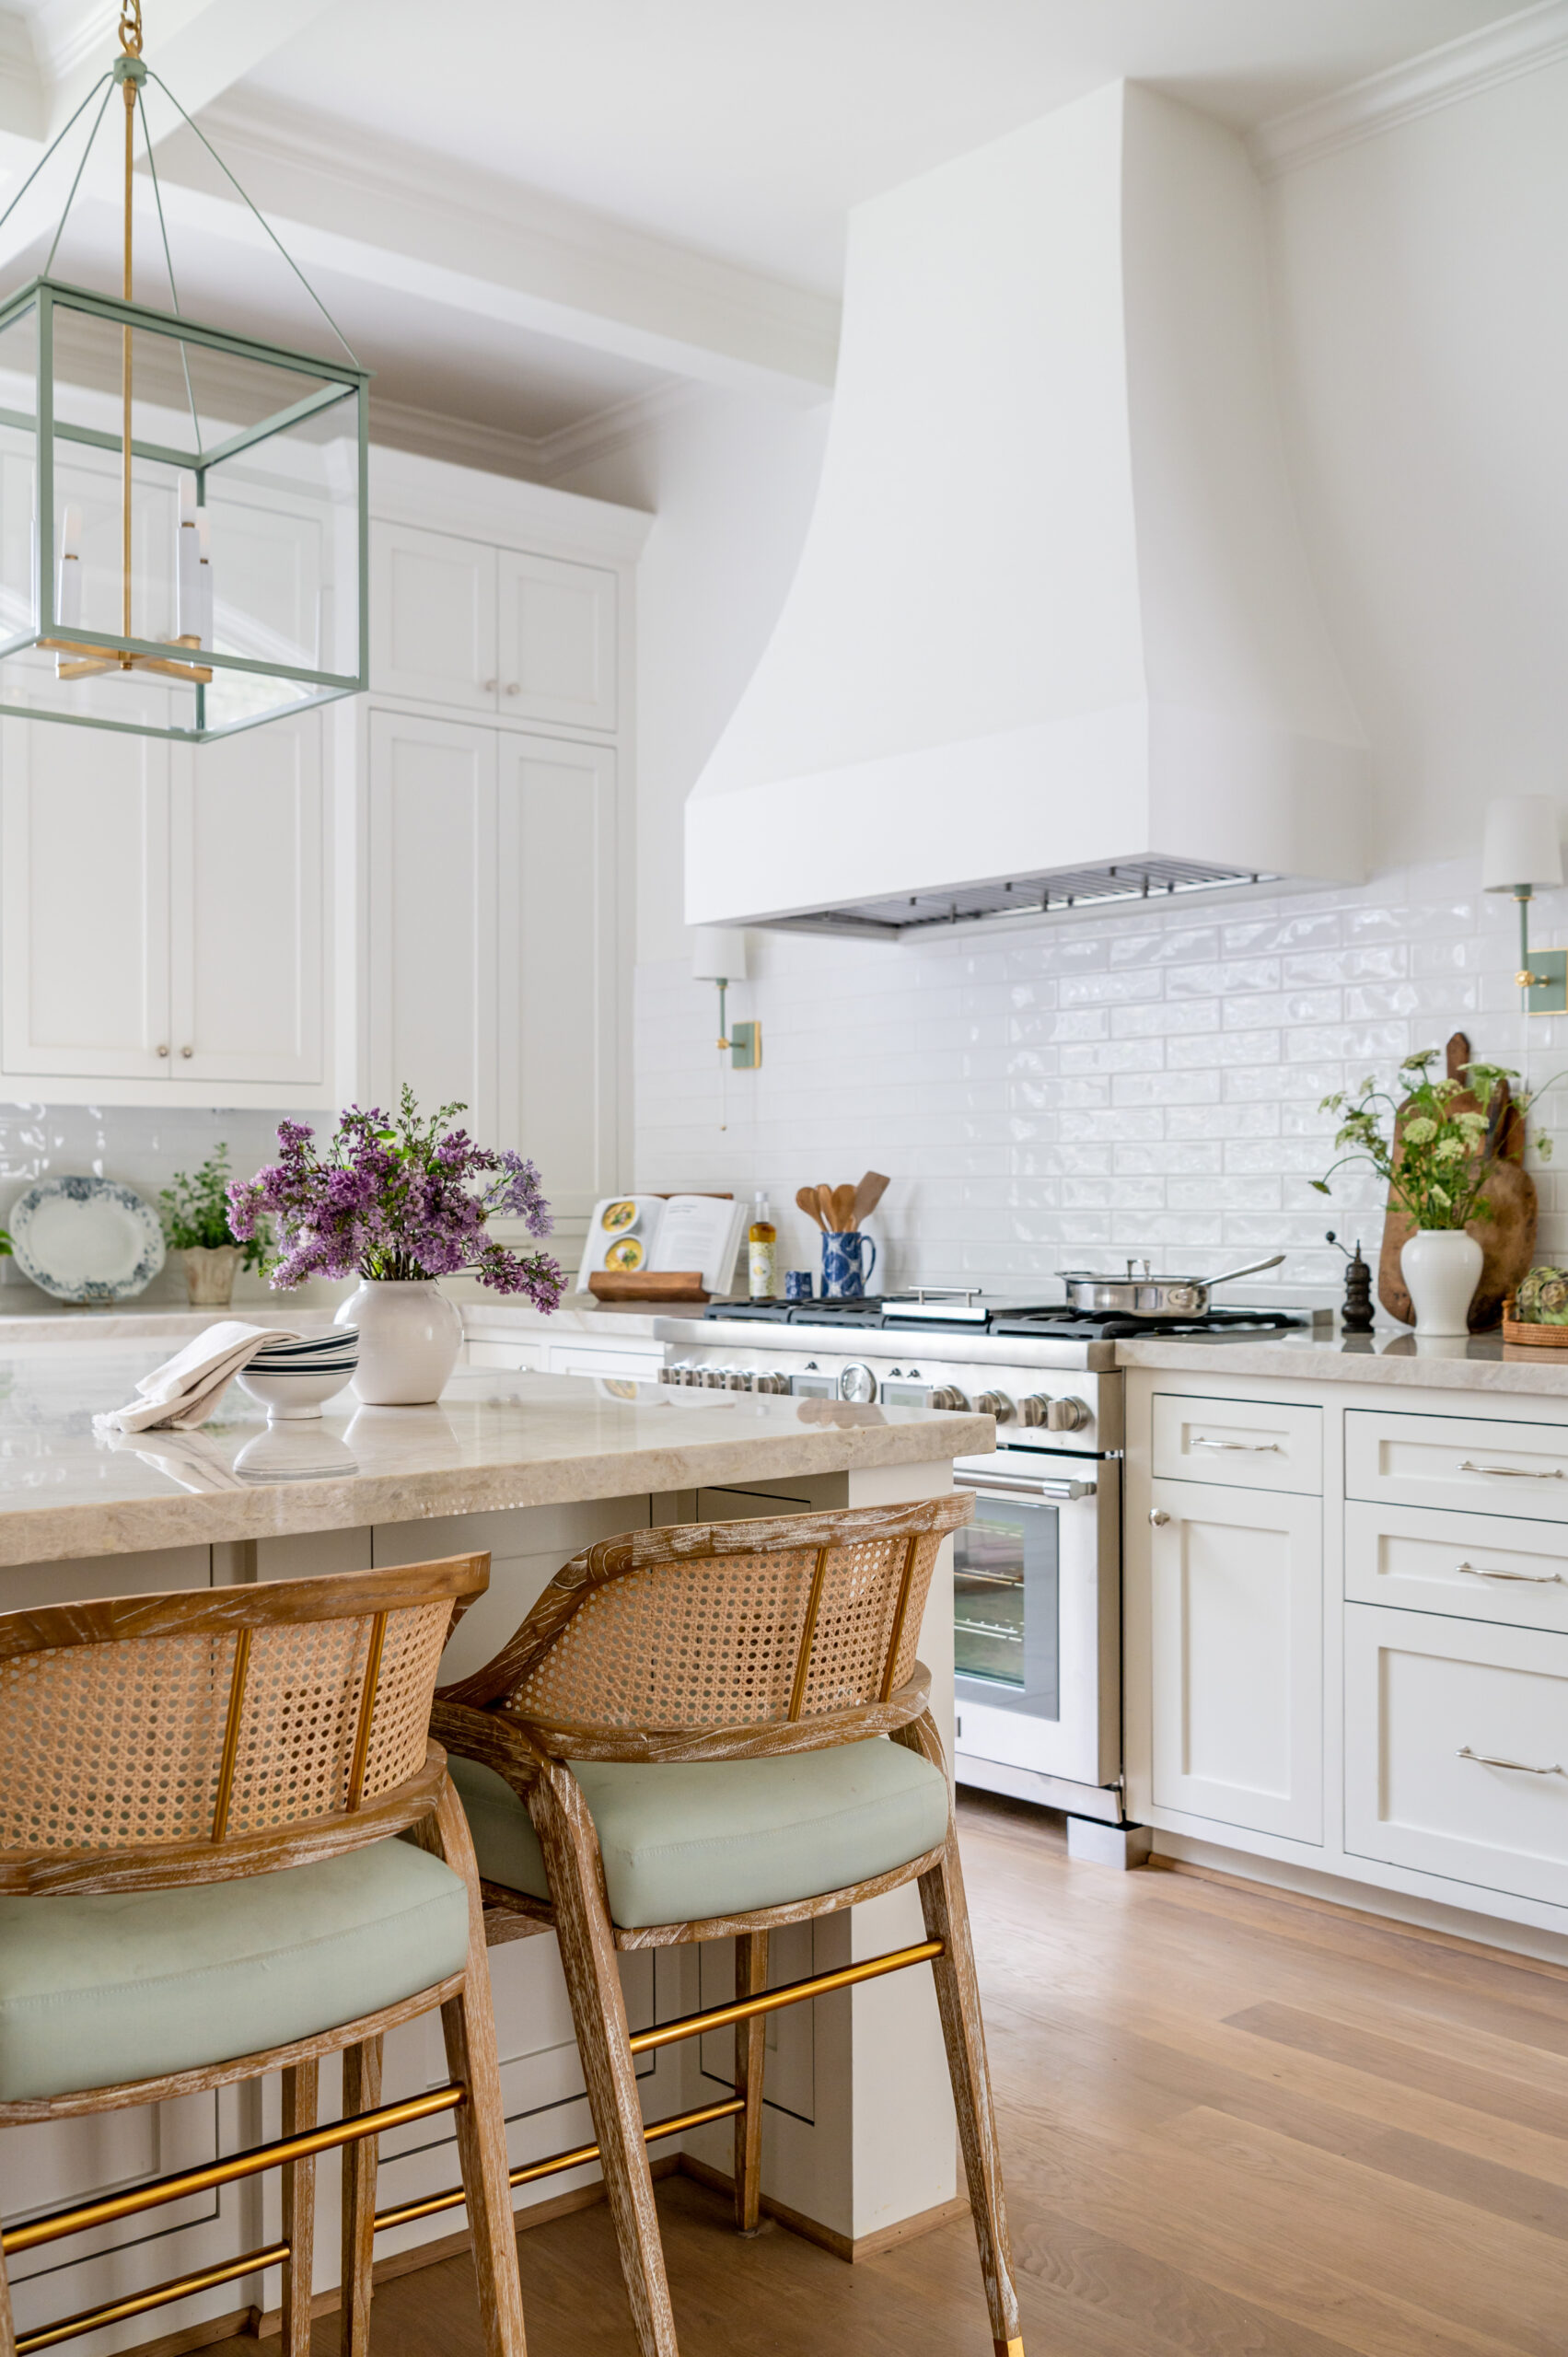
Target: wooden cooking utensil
[
  {"x": 806, "y": 1201},
  {"x": 867, "y": 1195},
  {"x": 843, "y": 1210},
  {"x": 825, "y": 1199}
]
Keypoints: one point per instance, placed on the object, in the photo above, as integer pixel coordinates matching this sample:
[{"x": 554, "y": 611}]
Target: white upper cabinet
[
  {"x": 433, "y": 617},
  {"x": 557, "y": 640},
  {"x": 558, "y": 816},
  {"x": 435, "y": 914},
  {"x": 84, "y": 849},
  {"x": 246, "y": 862},
  {"x": 495, "y": 630}
]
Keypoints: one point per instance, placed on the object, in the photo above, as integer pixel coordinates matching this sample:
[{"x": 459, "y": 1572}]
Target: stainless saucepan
[{"x": 1147, "y": 1297}]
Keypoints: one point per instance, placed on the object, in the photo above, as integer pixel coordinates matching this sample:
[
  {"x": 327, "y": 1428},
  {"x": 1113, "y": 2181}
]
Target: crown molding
[
  {"x": 528, "y": 457},
  {"x": 1460, "y": 69},
  {"x": 445, "y": 496},
  {"x": 65, "y": 35}
]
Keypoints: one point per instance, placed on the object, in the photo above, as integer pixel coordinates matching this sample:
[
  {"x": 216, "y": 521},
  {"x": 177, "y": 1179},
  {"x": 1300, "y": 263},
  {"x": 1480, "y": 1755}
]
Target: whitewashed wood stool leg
[{"x": 750, "y": 2055}]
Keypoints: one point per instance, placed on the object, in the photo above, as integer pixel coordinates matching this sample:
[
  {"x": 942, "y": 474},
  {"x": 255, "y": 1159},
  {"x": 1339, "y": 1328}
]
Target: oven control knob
[
  {"x": 680, "y": 1371},
  {"x": 995, "y": 1403},
  {"x": 1066, "y": 1415},
  {"x": 1035, "y": 1409},
  {"x": 856, "y": 1382},
  {"x": 737, "y": 1378},
  {"x": 777, "y": 1381},
  {"x": 711, "y": 1377},
  {"x": 945, "y": 1395}
]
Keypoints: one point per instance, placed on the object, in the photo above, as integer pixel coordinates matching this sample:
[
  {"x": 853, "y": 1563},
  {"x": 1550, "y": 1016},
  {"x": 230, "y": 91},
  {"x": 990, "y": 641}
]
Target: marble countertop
[
  {"x": 493, "y": 1441},
  {"x": 1391, "y": 1356}
]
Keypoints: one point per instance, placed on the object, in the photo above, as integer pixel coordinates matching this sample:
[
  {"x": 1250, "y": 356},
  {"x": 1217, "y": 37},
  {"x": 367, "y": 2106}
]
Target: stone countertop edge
[
  {"x": 290, "y": 1509},
  {"x": 1484, "y": 1363}
]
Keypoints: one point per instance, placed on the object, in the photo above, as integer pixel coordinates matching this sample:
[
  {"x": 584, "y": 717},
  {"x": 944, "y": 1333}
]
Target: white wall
[{"x": 1121, "y": 1084}]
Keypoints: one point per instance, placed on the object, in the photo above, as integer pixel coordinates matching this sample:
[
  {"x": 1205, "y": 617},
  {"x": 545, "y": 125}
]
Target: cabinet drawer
[
  {"x": 1457, "y": 1749},
  {"x": 1475, "y": 1464},
  {"x": 1475, "y": 1566},
  {"x": 1241, "y": 1444}
]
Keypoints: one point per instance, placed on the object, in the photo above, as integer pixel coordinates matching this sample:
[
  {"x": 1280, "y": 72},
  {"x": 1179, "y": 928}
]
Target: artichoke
[{"x": 1543, "y": 1297}]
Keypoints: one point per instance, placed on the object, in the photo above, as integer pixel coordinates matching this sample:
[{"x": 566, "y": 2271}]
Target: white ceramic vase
[
  {"x": 1441, "y": 1267},
  {"x": 410, "y": 1335}
]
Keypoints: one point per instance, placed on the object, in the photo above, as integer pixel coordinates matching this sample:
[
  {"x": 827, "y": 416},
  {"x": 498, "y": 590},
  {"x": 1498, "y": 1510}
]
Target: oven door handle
[{"x": 1028, "y": 1492}]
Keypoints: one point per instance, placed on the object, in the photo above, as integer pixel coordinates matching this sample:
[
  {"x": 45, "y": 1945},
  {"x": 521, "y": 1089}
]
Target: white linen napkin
[{"x": 183, "y": 1392}]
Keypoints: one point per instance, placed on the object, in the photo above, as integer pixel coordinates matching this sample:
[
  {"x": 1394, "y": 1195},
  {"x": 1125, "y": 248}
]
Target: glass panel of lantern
[{"x": 241, "y": 600}]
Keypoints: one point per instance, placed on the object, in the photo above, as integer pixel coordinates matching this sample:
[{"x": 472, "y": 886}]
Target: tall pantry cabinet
[{"x": 428, "y": 884}]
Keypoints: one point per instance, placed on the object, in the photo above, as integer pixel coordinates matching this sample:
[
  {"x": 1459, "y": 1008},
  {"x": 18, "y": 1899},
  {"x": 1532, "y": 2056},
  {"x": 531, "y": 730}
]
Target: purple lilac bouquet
[{"x": 402, "y": 1199}]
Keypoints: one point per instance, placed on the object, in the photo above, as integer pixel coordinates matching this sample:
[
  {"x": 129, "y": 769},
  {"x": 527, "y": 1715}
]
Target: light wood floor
[{"x": 1232, "y": 2126}]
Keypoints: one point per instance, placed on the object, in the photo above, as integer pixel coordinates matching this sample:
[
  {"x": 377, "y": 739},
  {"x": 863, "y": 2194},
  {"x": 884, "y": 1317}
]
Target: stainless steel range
[{"x": 1037, "y": 1629}]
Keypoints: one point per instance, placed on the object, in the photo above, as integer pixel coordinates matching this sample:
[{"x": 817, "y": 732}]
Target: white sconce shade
[
  {"x": 718, "y": 954},
  {"x": 1522, "y": 845}
]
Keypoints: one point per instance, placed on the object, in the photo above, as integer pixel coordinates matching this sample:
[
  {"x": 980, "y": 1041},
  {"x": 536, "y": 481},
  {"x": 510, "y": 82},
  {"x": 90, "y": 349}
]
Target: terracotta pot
[
  {"x": 210, "y": 1271},
  {"x": 410, "y": 1335}
]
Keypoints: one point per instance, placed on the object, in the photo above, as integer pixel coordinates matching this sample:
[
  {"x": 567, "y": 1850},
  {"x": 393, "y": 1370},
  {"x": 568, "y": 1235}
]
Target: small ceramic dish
[
  {"x": 290, "y": 1394},
  {"x": 329, "y": 1345}
]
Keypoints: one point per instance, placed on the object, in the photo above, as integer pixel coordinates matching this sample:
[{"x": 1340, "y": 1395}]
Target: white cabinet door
[
  {"x": 1457, "y": 1749},
  {"x": 247, "y": 858},
  {"x": 556, "y": 640},
  {"x": 433, "y": 917},
  {"x": 1236, "y": 1642},
  {"x": 433, "y": 617},
  {"x": 559, "y": 963},
  {"x": 86, "y": 816}
]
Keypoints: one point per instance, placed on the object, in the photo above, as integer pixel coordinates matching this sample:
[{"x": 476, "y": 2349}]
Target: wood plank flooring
[{"x": 1232, "y": 2126}]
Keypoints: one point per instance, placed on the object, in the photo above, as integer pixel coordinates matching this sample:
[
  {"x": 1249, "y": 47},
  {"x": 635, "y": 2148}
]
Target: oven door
[{"x": 1036, "y": 1614}]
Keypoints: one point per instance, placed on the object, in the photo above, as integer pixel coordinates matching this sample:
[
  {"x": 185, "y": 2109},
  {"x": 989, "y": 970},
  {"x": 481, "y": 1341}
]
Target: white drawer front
[
  {"x": 1476, "y": 1464},
  {"x": 506, "y": 1354},
  {"x": 1482, "y": 1567},
  {"x": 572, "y": 1358},
  {"x": 1457, "y": 1749},
  {"x": 1241, "y": 1444}
]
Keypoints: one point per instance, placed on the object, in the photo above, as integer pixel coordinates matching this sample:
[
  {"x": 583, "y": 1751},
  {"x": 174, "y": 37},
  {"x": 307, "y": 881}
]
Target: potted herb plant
[
  {"x": 1436, "y": 1153},
  {"x": 195, "y": 1216},
  {"x": 399, "y": 1203}
]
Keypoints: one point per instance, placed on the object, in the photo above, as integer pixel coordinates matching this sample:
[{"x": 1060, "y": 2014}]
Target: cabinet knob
[
  {"x": 490, "y": 686},
  {"x": 1158, "y": 1516},
  {"x": 163, "y": 1047},
  {"x": 514, "y": 687},
  {"x": 187, "y": 1051}
]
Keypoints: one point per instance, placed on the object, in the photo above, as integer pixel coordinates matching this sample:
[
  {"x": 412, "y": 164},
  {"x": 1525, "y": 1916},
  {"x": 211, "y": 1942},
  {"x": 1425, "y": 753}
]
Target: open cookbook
[{"x": 629, "y": 1234}]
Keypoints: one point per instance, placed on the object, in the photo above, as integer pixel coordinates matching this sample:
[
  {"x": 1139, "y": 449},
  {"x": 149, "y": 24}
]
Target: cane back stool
[
  {"x": 200, "y": 1882},
  {"x": 710, "y": 1730}
]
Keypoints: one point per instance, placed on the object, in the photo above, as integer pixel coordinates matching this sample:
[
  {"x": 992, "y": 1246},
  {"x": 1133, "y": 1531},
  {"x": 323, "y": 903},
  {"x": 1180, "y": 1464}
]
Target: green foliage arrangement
[
  {"x": 1436, "y": 1159},
  {"x": 194, "y": 1212}
]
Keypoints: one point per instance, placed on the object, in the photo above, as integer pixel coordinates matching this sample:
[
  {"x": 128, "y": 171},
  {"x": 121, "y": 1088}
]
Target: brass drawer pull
[
  {"x": 1242, "y": 1447},
  {"x": 1518, "y": 1767},
  {"x": 1512, "y": 1472},
  {"x": 1533, "y": 1579}
]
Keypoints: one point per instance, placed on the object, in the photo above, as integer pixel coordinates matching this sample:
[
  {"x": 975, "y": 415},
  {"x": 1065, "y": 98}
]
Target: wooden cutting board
[{"x": 1507, "y": 1240}]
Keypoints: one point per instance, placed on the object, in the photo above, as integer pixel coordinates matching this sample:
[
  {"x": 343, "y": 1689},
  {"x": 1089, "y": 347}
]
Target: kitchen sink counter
[
  {"x": 1392, "y": 1357},
  {"x": 495, "y": 1441}
]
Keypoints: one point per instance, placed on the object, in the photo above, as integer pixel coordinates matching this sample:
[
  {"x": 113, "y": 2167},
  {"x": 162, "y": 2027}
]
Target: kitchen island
[{"x": 859, "y": 2138}]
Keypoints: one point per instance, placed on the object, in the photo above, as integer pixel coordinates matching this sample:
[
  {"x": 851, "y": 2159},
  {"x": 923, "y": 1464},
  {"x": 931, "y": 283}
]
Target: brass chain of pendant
[
  {"x": 130, "y": 26},
  {"x": 131, "y": 43}
]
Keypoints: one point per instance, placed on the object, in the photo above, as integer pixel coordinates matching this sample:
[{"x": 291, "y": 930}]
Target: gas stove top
[{"x": 960, "y": 1312}]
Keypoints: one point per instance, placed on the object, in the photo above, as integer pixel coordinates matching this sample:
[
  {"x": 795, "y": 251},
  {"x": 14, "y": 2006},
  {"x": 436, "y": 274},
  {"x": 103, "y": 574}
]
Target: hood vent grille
[{"x": 1022, "y": 897}]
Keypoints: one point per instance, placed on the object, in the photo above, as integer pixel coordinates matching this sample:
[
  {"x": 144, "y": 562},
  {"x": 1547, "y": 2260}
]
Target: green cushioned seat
[
  {"x": 104, "y": 1989},
  {"x": 683, "y": 1841}
]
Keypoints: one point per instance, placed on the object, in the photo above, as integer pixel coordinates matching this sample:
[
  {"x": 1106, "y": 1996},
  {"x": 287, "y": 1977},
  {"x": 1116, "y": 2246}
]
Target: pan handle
[{"x": 1252, "y": 1269}]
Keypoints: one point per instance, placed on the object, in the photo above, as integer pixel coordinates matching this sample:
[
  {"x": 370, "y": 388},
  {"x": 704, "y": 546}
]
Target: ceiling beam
[{"x": 200, "y": 48}]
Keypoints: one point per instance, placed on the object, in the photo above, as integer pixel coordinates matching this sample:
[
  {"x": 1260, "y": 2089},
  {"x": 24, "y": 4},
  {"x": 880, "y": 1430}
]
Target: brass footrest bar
[
  {"x": 252, "y": 2262},
  {"x": 407, "y": 2211},
  {"x": 793, "y": 1992},
  {"x": 260, "y": 2156}
]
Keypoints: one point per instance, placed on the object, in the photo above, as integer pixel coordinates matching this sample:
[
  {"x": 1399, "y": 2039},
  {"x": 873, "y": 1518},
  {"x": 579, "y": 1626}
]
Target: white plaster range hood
[{"x": 1052, "y": 617}]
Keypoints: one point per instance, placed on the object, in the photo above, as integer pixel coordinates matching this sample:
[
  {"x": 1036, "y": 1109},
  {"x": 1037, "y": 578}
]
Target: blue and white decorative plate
[{"x": 86, "y": 1240}]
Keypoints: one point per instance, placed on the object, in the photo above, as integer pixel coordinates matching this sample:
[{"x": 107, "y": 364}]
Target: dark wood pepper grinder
[{"x": 1356, "y": 1315}]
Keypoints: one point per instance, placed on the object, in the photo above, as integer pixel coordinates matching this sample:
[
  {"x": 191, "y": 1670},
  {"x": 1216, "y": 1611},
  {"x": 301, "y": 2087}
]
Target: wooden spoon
[
  {"x": 843, "y": 1210},
  {"x": 867, "y": 1195},
  {"x": 825, "y": 1198},
  {"x": 806, "y": 1201}
]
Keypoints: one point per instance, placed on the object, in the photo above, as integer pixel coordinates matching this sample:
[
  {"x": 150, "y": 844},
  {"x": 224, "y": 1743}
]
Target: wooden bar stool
[
  {"x": 199, "y": 1883},
  {"x": 686, "y": 1739}
]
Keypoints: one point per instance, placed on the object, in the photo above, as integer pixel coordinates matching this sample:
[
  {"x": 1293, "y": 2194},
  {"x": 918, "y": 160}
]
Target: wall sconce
[
  {"x": 1522, "y": 851},
  {"x": 718, "y": 955}
]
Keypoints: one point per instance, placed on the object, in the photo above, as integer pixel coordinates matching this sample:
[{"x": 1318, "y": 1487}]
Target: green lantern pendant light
[{"x": 183, "y": 534}]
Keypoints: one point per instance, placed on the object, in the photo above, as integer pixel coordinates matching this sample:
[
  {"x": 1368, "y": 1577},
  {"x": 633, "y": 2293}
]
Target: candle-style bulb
[
  {"x": 68, "y": 586},
  {"x": 188, "y": 565},
  {"x": 203, "y": 577}
]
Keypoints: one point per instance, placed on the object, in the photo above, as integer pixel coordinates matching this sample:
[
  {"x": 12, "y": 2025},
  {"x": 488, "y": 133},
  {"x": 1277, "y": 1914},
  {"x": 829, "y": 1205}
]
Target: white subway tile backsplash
[{"x": 1103, "y": 1088}]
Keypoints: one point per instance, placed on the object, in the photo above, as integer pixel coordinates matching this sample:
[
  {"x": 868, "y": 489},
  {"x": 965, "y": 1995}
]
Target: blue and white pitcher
[{"x": 847, "y": 1263}]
